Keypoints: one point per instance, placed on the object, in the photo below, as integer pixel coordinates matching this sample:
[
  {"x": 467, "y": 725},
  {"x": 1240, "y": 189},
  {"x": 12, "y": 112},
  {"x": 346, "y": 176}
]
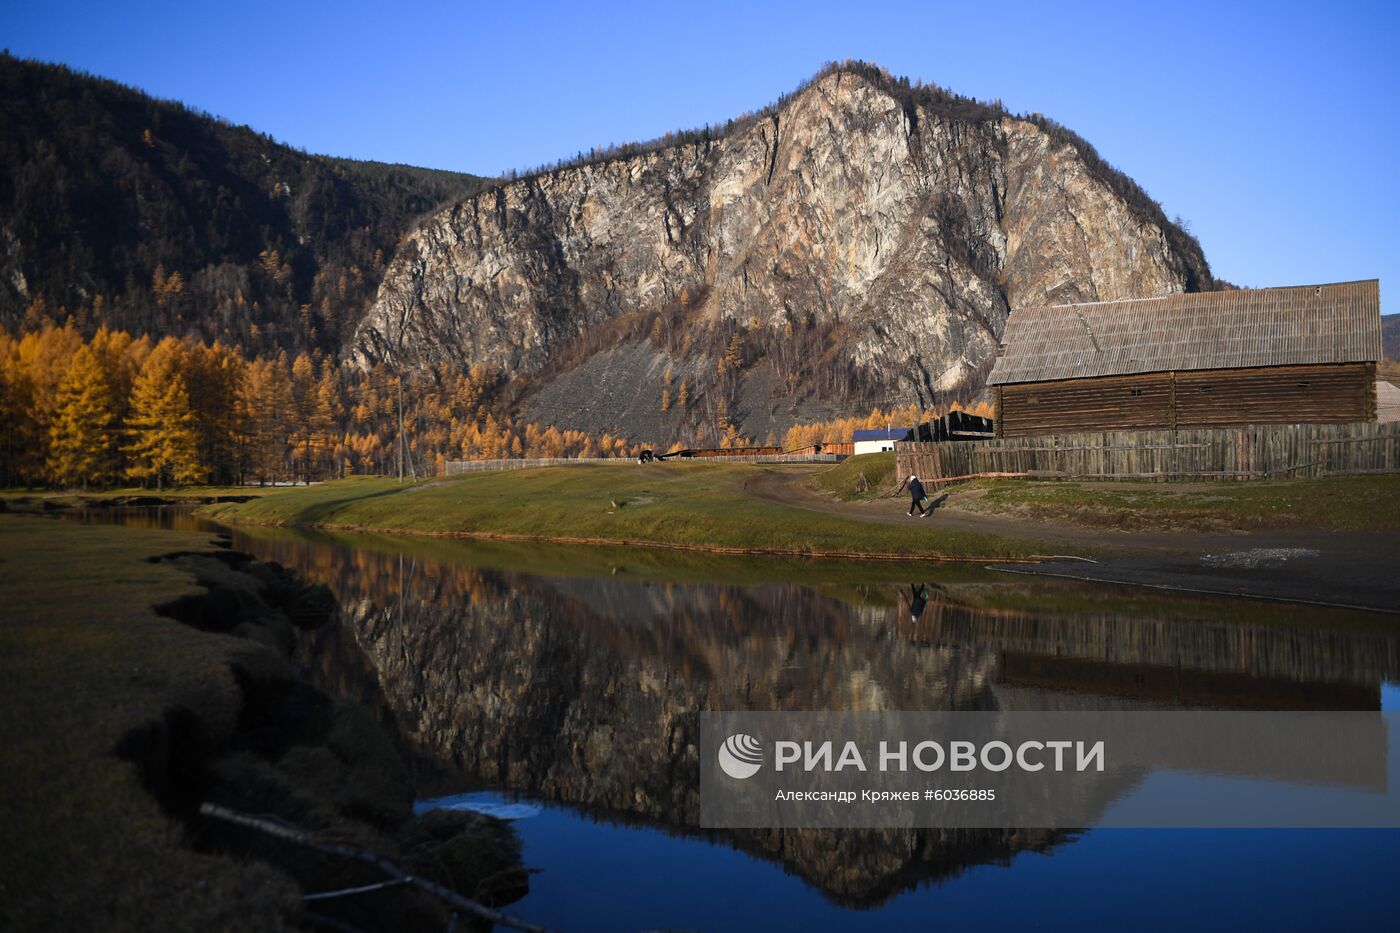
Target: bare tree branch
[
  {"x": 362, "y": 889},
  {"x": 292, "y": 834}
]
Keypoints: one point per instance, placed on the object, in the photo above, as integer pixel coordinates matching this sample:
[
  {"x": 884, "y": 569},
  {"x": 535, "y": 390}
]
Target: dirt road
[{"x": 1352, "y": 569}]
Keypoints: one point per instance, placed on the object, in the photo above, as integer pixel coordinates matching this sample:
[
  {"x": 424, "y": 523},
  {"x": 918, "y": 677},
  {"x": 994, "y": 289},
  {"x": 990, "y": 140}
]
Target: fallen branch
[
  {"x": 292, "y": 834},
  {"x": 362, "y": 889}
]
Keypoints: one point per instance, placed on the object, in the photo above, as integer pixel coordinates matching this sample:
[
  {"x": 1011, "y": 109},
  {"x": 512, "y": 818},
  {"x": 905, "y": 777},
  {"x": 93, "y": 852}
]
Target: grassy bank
[
  {"x": 691, "y": 505},
  {"x": 869, "y": 476},
  {"x": 291, "y": 546},
  {"x": 83, "y": 661},
  {"x": 119, "y": 721},
  {"x": 37, "y": 500}
]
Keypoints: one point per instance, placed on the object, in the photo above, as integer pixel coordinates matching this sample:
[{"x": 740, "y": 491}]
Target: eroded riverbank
[{"x": 146, "y": 673}]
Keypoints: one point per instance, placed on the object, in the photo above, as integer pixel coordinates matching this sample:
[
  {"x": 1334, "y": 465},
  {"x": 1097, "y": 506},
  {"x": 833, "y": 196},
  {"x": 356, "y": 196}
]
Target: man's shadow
[{"x": 935, "y": 503}]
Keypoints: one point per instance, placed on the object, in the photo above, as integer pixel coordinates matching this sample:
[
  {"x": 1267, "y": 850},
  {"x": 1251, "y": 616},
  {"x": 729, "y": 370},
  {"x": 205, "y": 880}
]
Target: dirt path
[
  {"x": 790, "y": 486},
  {"x": 1336, "y": 568}
]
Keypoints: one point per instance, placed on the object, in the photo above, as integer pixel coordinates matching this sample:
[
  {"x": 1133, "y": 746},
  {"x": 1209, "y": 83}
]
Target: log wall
[
  {"x": 1319, "y": 394},
  {"x": 1252, "y": 452}
]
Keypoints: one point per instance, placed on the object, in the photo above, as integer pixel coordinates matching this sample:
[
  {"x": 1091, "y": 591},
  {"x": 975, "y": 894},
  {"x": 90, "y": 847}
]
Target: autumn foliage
[{"x": 116, "y": 409}]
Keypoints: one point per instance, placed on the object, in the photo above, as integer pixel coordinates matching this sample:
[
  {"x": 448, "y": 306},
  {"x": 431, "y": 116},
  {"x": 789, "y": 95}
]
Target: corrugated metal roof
[
  {"x": 1387, "y": 401},
  {"x": 1199, "y": 330}
]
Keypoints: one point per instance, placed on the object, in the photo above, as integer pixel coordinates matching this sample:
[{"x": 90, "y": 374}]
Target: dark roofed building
[{"x": 1204, "y": 359}]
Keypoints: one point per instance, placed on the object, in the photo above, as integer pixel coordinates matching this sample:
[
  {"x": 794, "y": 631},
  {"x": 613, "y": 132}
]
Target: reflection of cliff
[
  {"x": 585, "y": 690},
  {"x": 538, "y": 689}
]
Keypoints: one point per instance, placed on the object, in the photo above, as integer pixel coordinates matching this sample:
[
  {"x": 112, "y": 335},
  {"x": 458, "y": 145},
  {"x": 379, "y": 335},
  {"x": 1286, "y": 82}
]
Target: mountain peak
[{"x": 862, "y": 238}]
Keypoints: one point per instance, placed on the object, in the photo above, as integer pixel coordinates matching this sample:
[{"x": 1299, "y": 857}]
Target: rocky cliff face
[{"x": 906, "y": 230}]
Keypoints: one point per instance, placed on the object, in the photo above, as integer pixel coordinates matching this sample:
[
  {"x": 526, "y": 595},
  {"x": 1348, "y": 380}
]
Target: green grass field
[
  {"x": 695, "y": 505},
  {"x": 83, "y": 661},
  {"x": 869, "y": 476}
]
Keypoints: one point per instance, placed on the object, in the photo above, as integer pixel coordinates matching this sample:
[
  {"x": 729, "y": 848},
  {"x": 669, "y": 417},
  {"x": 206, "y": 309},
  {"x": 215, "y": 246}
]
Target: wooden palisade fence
[
  {"x": 452, "y": 467},
  {"x": 1253, "y": 452}
]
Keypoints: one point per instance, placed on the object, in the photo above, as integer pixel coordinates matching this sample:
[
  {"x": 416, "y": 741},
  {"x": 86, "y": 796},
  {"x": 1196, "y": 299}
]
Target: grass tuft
[{"x": 869, "y": 476}]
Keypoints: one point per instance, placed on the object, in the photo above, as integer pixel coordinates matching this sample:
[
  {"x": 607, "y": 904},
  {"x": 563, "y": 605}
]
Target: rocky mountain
[
  {"x": 121, "y": 209},
  {"x": 861, "y": 240}
]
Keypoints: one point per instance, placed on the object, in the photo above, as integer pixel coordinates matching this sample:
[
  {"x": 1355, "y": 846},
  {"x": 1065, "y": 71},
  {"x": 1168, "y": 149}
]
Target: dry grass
[
  {"x": 83, "y": 661},
  {"x": 691, "y": 505}
]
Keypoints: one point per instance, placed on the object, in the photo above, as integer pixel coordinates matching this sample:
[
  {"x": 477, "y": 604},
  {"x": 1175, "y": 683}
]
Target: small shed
[
  {"x": 1201, "y": 359},
  {"x": 876, "y": 440},
  {"x": 955, "y": 426}
]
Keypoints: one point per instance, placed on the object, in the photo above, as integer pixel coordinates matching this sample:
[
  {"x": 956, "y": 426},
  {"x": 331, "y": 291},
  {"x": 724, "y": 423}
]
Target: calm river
[{"x": 559, "y": 688}]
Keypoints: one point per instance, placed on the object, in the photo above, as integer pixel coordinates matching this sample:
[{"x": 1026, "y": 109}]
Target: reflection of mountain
[{"x": 584, "y": 690}]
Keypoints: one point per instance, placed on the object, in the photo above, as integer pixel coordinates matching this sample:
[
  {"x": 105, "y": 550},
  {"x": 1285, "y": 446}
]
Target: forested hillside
[
  {"x": 146, "y": 215},
  {"x": 116, "y": 408},
  {"x": 857, "y": 244}
]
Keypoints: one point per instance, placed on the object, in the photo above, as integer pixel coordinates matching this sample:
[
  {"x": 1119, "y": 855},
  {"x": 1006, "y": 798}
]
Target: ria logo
[{"x": 740, "y": 756}]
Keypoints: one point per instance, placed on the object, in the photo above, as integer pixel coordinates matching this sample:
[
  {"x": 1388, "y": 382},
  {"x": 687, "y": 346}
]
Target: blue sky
[{"x": 1272, "y": 128}]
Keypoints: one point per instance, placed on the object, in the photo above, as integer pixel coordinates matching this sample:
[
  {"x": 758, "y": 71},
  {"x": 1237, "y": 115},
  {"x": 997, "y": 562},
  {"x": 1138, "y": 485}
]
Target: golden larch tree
[
  {"x": 163, "y": 440},
  {"x": 214, "y": 376},
  {"x": 265, "y": 407},
  {"x": 44, "y": 359},
  {"x": 82, "y": 434}
]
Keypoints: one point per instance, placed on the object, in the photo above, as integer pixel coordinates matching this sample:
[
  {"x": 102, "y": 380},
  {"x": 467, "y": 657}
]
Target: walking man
[{"x": 918, "y": 497}]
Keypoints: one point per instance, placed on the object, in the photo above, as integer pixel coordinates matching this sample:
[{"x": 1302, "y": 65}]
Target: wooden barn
[{"x": 1203, "y": 359}]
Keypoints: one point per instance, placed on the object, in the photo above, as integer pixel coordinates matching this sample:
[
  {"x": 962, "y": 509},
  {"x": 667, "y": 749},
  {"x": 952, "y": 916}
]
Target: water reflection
[
  {"x": 577, "y": 677},
  {"x": 584, "y": 689}
]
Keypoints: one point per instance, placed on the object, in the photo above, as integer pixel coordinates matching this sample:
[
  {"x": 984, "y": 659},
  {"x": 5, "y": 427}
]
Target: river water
[{"x": 559, "y": 687}]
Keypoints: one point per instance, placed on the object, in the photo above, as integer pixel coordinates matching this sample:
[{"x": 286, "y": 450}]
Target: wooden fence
[
  {"x": 492, "y": 466},
  {"x": 1255, "y": 452}
]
